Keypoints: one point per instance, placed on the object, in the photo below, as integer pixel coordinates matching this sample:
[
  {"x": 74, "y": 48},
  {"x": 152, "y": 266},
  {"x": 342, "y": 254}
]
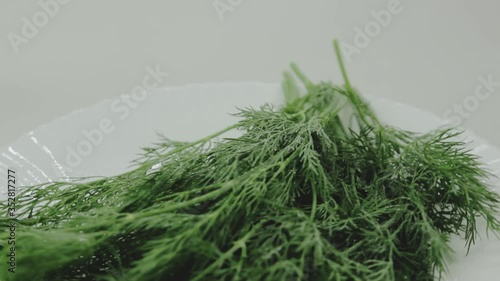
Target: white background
[{"x": 430, "y": 55}]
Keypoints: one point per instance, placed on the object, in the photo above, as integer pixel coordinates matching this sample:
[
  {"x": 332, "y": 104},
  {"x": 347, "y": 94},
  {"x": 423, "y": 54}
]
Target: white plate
[{"x": 72, "y": 146}]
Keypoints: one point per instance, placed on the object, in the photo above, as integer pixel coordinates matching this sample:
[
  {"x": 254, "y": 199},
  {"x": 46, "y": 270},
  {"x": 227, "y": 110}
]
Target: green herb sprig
[{"x": 303, "y": 194}]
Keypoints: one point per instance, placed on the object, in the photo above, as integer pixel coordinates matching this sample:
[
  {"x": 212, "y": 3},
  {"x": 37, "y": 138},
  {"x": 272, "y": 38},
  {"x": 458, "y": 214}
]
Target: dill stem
[
  {"x": 185, "y": 204},
  {"x": 240, "y": 244},
  {"x": 314, "y": 203},
  {"x": 352, "y": 95},
  {"x": 342, "y": 67},
  {"x": 203, "y": 140},
  {"x": 289, "y": 88},
  {"x": 301, "y": 76}
]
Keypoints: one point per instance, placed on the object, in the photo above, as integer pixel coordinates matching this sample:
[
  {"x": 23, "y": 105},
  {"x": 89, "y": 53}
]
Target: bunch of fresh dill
[{"x": 304, "y": 194}]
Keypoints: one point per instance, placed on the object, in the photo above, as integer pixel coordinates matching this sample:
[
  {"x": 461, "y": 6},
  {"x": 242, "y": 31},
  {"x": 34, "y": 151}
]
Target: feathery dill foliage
[{"x": 304, "y": 194}]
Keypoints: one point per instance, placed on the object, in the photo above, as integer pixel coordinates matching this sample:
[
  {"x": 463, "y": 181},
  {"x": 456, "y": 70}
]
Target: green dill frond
[{"x": 315, "y": 190}]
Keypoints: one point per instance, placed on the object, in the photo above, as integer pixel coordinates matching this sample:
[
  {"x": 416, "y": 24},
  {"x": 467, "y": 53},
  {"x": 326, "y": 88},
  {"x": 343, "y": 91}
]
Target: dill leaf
[{"x": 303, "y": 194}]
